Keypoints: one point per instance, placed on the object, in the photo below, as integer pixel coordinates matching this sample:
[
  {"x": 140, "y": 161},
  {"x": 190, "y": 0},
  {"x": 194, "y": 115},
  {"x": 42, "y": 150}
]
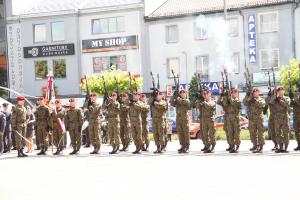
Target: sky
[{"x": 19, "y": 5}]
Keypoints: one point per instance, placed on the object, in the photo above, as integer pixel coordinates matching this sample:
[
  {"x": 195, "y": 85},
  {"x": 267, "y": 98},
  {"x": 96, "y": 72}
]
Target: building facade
[
  {"x": 70, "y": 42},
  {"x": 196, "y": 37}
]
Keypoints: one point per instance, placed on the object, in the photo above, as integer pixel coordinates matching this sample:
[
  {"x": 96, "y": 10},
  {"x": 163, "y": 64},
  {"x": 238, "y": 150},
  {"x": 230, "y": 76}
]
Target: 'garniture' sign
[
  {"x": 110, "y": 44},
  {"x": 252, "y": 38},
  {"x": 49, "y": 50}
]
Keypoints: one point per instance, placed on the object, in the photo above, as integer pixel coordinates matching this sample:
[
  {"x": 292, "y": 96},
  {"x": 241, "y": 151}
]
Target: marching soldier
[
  {"x": 145, "y": 111},
  {"x": 42, "y": 115},
  {"x": 136, "y": 122},
  {"x": 255, "y": 106},
  {"x": 124, "y": 122},
  {"x": 166, "y": 126},
  {"x": 58, "y": 113},
  {"x": 112, "y": 106},
  {"x": 182, "y": 105},
  {"x": 271, "y": 122},
  {"x": 2, "y": 129},
  {"x": 19, "y": 122},
  {"x": 73, "y": 123},
  {"x": 7, "y": 131},
  {"x": 281, "y": 105},
  {"x": 232, "y": 106},
  {"x": 158, "y": 122},
  {"x": 295, "y": 103},
  {"x": 94, "y": 123},
  {"x": 207, "y": 108}
]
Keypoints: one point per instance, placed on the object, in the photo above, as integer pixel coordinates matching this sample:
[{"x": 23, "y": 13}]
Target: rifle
[
  {"x": 274, "y": 80},
  {"x": 118, "y": 90},
  {"x": 176, "y": 82},
  {"x": 130, "y": 88},
  {"x": 291, "y": 94},
  {"x": 200, "y": 88},
  {"x": 87, "y": 101},
  {"x": 158, "y": 84},
  {"x": 135, "y": 85},
  {"x": 248, "y": 80},
  {"x": 269, "y": 94},
  {"x": 227, "y": 87},
  {"x": 154, "y": 88},
  {"x": 223, "y": 84},
  {"x": 105, "y": 97}
]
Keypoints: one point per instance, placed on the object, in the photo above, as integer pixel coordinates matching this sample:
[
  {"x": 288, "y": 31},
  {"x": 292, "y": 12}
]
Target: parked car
[{"x": 219, "y": 123}]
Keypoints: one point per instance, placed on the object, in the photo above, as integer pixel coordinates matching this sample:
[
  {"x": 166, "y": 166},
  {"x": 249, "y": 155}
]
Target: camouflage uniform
[
  {"x": 207, "y": 111},
  {"x": 2, "y": 129},
  {"x": 136, "y": 124},
  {"x": 271, "y": 122},
  {"x": 221, "y": 102},
  {"x": 58, "y": 135},
  {"x": 232, "y": 109},
  {"x": 165, "y": 115},
  {"x": 113, "y": 111},
  {"x": 295, "y": 103},
  {"x": 73, "y": 123},
  {"x": 158, "y": 122},
  {"x": 42, "y": 116},
  {"x": 94, "y": 126},
  {"x": 182, "y": 123},
  {"x": 125, "y": 125},
  {"x": 256, "y": 126},
  {"x": 144, "y": 114},
  {"x": 281, "y": 121},
  {"x": 19, "y": 120}
]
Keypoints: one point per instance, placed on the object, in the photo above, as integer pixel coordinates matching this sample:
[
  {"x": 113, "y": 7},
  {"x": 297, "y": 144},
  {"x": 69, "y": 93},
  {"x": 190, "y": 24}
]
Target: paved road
[{"x": 170, "y": 176}]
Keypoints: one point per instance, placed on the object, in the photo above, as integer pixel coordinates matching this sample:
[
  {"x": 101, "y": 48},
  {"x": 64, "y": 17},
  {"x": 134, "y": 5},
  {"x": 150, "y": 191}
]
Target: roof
[
  {"x": 45, "y": 6},
  {"x": 175, "y": 8}
]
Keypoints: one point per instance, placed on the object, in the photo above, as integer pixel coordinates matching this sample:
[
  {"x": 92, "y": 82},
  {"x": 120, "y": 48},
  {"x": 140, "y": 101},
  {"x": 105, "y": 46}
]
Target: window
[
  {"x": 200, "y": 32},
  {"x": 41, "y": 69},
  {"x": 58, "y": 31},
  {"x": 172, "y": 34},
  {"x": 235, "y": 62},
  {"x": 269, "y": 58},
  {"x": 108, "y": 25},
  {"x": 39, "y": 33},
  {"x": 172, "y": 64},
  {"x": 233, "y": 27},
  {"x": 104, "y": 63},
  {"x": 202, "y": 64},
  {"x": 268, "y": 22},
  {"x": 59, "y": 68}
]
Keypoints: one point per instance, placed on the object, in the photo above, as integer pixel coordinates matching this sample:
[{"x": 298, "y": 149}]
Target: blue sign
[
  {"x": 214, "y": 87},
  {"x": 252, "y": 38}
]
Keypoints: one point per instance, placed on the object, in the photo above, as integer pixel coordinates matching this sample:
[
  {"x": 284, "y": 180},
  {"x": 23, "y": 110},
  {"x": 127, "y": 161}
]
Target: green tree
[
  {"x": 95, "y": 83},
  {"x": 294, "y": 69},
  {"x": 193, "y": 90}
]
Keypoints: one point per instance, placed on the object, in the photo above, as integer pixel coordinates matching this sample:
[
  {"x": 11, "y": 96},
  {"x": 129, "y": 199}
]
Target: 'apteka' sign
[{"x": 252, "y": 38}]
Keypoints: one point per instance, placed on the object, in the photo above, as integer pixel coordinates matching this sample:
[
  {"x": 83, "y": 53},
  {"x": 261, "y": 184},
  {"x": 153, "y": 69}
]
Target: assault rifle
[
  {"x": 119, "y": 99},
  {"x": 105, "y": 97},
  {"x": 176, "y": 82},
  {"x": 130, "y": 88},
  {"x": 154, "y": 88},
  {"x": 248, "y": 80},
  {"x": 291, "y": 94},
  {"x": 87, "y": 101}
]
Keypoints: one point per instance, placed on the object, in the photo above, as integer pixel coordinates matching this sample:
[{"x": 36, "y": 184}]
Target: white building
[{"x": 70, "y": 39}]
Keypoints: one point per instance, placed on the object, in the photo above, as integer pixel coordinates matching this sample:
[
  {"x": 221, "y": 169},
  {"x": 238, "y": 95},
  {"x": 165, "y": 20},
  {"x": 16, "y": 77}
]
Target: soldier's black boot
[
  {"x": 229, "y": 148},
  {"x": 41, "y": 152},
  {"x": 157, "y": 149},
  {"x": 147, "y": 147},
  {"x": 123, "y": 148},
  {"x": 45, "y": 151},
  {"x": 180, "y": 150},
  {"x": 237, "y": 148},
  {"x": 297, "y": 148},
  {"x": 254, "y": 148},
  {"x": 259, "y": 149},
  {"x": 20, "y": 154},
  {"x": 97, "y": 148},
  {"x": 233, "y": 150},
  {"x": 280, "y": 150},
  {"x": 285, "y": 150},
  {"x": 275, "y": 147},
  {"x": 113, "y": 150},
  {"x": 204, "y": 148},
  {"x": 73, "y": 152},
  {"x": 117, "y": 149},
  {"x": 207, "y": 149},
  {"x": 23, "y": 154},
  {"x": 212, "y": 150},
  {"x": 186, "y": 149},
  {"x": 94, "y": 151}
]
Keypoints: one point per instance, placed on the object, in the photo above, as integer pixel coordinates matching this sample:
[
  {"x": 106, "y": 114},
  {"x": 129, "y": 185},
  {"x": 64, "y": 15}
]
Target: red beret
[
  {"x": 57, "y": 101},
  {"x": 20, "y": 98},
  {"x": 136, "y": 93},
  {"x": 113, "y": 94},
  {"x": 41, "y": 98},
  {"x": 143, "y": 95},
  {"x": 72, "y": 100},
  {"x": 255, "y": 90},
  {"x": 182, "y": 91},
  {"x": 280, "y": 88},
  {"x": 234, "y": 90},
  {"x": 125, "y": 95}
]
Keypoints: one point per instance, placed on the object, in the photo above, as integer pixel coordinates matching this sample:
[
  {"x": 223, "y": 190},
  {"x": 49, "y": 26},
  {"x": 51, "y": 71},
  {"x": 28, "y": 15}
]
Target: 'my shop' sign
[{"x": 252, "y": 38}]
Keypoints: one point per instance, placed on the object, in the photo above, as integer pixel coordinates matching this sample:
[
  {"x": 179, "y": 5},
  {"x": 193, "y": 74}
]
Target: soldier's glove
[
  {"x": 248, "y": 93},
  {"x": 270, "y": 93}
]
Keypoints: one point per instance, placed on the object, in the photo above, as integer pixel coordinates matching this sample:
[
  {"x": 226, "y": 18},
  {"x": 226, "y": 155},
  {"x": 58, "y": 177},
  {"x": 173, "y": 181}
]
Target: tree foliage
[
  {"x": 193, "y": 90},
  {"x": 294, "y": 70},
  {"x": 95, "y": 83}
]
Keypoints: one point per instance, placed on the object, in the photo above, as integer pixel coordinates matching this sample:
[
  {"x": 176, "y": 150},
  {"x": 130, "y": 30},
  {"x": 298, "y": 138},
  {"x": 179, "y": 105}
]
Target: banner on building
[
  {"x": 15, "y": 58},
  {"x": 110, "y": 44},
  {"x": 49, "y": 50},
  {"x": 252, "y": 38}
]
